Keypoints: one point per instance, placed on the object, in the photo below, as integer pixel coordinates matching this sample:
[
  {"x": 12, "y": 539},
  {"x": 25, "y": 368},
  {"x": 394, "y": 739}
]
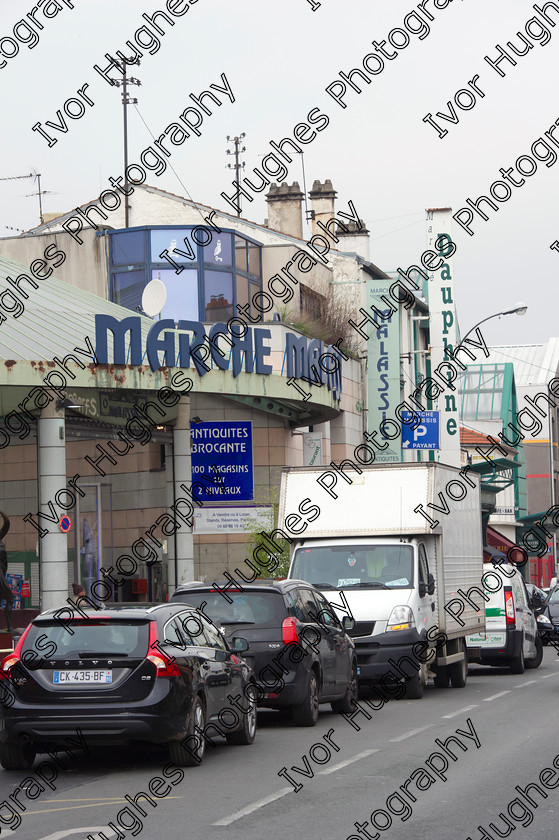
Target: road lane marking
[
  {"x": 461, "y": 711},
  {"x": 254, "y": 807},
  {"x": 522, "y": 685},
  {"x": 59, "y": 835},
  {"x": 547, "y": 676},
  {"x": 98, "y": 799},
  {"x": 341, "y": 764},
  {"x": 495, "y": 696},
  {"x": 412, "y": 732},
  {"x": 95, "y": 805}
]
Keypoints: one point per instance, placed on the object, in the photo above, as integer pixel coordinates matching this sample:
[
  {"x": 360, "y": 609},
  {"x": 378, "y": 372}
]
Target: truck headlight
[
  {"x": 543, "y": 619},
  {"x": 401, "y": 618}
]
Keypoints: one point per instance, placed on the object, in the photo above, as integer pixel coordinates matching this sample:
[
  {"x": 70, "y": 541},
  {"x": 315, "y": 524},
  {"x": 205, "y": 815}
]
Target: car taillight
[
  {"x": 289, "y": 631},
  {"x": 166, "y": 666},
  {"x": 13, "y": 658},
  {"x": 509, "y": 608}
]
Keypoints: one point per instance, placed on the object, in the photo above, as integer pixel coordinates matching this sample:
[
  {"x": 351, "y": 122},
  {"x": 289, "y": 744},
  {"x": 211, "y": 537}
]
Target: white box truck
[{"x": 393, "y": 545}]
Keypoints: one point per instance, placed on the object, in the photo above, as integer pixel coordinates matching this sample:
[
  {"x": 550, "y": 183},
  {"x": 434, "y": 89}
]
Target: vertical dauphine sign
[
  {"x": 383, "y": 368},
  {"x": 443, "y": 328}
]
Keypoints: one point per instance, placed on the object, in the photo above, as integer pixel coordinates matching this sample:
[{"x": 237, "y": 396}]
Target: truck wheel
[
  {"x": 516, "y": 664},
  {"x": 306, "y": 714},
  {"x": 458, "y": 671},
  {"x": 442, "y": 677},
  {"x": 537, "y": 660},
  {"x": 416, "y": 685}
]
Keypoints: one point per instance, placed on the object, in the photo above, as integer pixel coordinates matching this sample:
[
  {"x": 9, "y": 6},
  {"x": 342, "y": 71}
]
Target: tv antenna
[
  {"x": 126, "y": 101},
  {"x": 34, "y": 174},
  {"x": 236, "y": 166}
]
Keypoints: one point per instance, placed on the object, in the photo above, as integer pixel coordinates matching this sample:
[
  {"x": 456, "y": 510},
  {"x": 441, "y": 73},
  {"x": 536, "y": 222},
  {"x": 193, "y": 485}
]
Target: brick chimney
[
  {"x": 284, "y": 208},
  {"x": 354, "y": 240},
  {"x": 322, "y": 201}
]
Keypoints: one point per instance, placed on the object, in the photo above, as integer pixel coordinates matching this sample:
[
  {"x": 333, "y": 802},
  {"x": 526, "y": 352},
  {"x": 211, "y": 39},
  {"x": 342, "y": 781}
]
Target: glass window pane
[
  {"x": 128, "y": 287},
  {"x": 127, "y": 248},
  {"x": 254, "y": 260},
  {"x": 242, "y": 291},
  {"x": 168, "y": 240},
  {"x": 218, "y": 251},
  {"x": 241, "y": 254},
  {"x": 182, "y": 294},
  {"x": 255, "y": 290},
  {"x": 218, "y": 299}
]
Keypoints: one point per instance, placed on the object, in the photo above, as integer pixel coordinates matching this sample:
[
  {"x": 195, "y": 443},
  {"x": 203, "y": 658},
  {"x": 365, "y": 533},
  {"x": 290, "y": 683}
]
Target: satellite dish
[{"x": 154, "y": 297}]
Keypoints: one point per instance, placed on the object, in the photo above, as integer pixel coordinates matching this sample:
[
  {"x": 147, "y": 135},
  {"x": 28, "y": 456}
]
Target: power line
[{"x": 170, "y": 165}]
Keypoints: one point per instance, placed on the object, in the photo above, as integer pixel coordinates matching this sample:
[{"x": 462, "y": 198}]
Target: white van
[{"x": 511, "y": 632}]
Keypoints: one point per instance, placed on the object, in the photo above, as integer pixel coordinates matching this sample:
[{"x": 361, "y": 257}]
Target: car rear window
[
  {"x": 266, "y": 609},
  {"x": 89, "y": 637}
]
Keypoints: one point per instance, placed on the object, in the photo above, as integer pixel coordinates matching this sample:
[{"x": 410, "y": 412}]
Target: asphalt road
[{"x": 382, "y": 768}]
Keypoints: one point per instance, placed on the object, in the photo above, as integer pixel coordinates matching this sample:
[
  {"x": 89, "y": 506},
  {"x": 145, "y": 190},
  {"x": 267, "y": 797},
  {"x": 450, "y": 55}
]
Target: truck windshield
[{"x": 355, "y": 566}]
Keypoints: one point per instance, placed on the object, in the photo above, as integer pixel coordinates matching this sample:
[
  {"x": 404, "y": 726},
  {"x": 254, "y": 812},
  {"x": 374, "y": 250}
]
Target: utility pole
[
  {"x": 236, "y": 166},
  {"x": 126, "y": 101}
]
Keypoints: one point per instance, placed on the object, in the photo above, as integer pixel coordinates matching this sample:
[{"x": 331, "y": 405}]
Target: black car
[
  {"x": 298, "y": 648},
  {"x": 550, "y": 610},
  {"x": 162, "y": 674}
]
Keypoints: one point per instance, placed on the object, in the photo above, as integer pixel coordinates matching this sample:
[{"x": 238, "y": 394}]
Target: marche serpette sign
[{"x": 204, "y": 347}]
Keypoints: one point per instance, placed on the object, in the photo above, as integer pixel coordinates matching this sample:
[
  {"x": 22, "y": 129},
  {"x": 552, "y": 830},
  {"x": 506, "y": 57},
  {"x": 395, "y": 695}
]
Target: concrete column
[
  {"x": 52, "y": 478},
  {"x": 171, "y": 577},
  {"x": 183, "y": 475}
]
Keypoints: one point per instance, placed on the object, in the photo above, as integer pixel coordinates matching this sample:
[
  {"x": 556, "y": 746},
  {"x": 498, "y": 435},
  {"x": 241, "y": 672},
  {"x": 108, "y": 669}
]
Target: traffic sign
[
  {"x": 425, "y": 435},
  {"x": 65, "y": 524}
]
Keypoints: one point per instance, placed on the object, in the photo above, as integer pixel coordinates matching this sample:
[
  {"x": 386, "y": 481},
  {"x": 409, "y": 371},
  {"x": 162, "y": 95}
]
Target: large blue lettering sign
[
  {"x": 238, "y": 348},
  {"x": 228, "y": 446}
]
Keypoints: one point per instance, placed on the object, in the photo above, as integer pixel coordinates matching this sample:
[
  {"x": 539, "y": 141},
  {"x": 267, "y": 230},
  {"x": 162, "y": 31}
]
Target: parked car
[
  {"x": 511, "y": 634},
  {"x": 550, "y": 611},
  {"x": 151, "y": 673},
  {"x": 298, "y": 648}
]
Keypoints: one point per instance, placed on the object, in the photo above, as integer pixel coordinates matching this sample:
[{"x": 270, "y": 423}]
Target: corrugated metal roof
[
  {"x": 534, "y": 364},
  {"x": 57, "y": 316}
]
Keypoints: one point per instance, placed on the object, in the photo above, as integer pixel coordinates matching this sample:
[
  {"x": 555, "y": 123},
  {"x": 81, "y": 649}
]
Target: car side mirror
[
  {"x": 240, "y": 644},
  {"x": 430, "y": 584},
  {"x": 348, "y": 622}
]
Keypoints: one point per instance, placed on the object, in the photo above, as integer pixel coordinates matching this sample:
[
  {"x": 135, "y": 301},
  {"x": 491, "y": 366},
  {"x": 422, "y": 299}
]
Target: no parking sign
[{"x": 425, "y": 435}]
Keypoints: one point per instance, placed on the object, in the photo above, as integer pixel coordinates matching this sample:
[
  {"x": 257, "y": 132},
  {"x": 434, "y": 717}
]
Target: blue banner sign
[
  {"x": 425, "y": 436},
  {"x": 228, "y": 446}
]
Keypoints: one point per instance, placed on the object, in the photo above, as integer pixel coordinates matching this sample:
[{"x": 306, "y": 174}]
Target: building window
[
  {"x": 218, "y": 296},
  {"x": 128, "y": 287},
  {"x": 215, "y": 277},
  {"x": 313, "y": 305}
]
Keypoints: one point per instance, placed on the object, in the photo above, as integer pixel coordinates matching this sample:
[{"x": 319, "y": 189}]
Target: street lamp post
[{"x": 519, "y": 309}]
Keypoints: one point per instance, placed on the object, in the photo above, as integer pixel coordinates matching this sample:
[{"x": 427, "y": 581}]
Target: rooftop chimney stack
[
  {"x": 322, "y": 201},
  {"x": 284, "y": 208},
  {"x": 353, "y": 239}
]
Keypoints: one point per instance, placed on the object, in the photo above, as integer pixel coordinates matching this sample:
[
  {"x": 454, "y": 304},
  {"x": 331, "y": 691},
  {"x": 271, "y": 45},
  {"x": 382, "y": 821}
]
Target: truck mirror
[
  {"x": 430, "y": 584},
  {"x": 348, "y": 622}
]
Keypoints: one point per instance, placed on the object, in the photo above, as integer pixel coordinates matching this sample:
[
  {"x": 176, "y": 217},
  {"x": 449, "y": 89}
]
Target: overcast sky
[{"x": 278, "y": 58}]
